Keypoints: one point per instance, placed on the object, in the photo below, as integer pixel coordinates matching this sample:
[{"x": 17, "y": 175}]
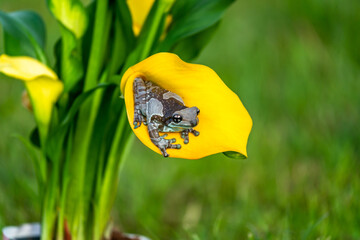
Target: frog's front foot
[
  {"x": 185, "y": 134},
  {"x": 164, "y": 144},
  {"x": 138, "y": 119}
]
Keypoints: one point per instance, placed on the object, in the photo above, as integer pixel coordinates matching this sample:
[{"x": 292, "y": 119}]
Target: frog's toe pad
[
  {"x": 137, "y": 124},
  {"x": 186, "y": 141},
  {"x": 175, "y": 146}
]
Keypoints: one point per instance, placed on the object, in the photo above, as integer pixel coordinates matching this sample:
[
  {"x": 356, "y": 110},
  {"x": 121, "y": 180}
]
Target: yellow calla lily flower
[
  {"x": 224, "y": 123},
  {"x": 139, "y": 9},
  {"x": 42, "y": 84}
]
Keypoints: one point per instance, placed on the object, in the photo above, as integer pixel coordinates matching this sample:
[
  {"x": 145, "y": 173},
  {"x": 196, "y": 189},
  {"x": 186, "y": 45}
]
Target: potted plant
[{"x": 83, "y": 101}]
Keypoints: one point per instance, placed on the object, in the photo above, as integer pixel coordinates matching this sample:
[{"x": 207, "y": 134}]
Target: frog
[{"x": 163, "y": 111}]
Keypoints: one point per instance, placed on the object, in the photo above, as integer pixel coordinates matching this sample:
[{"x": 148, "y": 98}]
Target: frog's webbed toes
[
  {"x": 175, "y": 146},
  {"x": 138, "y": 119},
  {"x": 170, "y": 146},
  {"x": 196, "y": 133},
  {"x": 164, "y": 153},
  {"x": 164, "y": 144},
  {"x": 185, "y": 134}
]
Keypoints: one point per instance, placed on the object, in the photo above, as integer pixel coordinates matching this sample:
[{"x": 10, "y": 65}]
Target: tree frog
[{"x": 163, "y": 111}]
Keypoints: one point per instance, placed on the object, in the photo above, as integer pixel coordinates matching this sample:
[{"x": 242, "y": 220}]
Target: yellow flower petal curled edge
[
  {"x": 224, "y": 123},
  {"x": 42, "y": 84}
]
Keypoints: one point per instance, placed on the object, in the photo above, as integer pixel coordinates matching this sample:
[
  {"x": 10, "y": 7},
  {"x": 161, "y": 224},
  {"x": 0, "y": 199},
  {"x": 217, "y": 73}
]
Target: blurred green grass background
[{"x": 296, "y": 67}]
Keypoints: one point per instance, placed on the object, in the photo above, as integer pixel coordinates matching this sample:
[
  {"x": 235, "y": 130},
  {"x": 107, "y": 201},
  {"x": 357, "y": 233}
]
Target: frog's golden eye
[{"x": 177, "y": 118}]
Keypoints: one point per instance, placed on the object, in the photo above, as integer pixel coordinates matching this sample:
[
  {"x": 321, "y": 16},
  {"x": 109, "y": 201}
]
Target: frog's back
[
  {"x": 154, "y": 91},
  {"x": 170, "y": 101}
]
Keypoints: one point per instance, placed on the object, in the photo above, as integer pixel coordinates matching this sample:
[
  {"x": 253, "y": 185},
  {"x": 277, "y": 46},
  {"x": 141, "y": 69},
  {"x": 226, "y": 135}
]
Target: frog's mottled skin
[{"x": 163, "y": 111}]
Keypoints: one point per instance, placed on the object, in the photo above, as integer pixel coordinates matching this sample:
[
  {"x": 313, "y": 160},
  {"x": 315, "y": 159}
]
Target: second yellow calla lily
[
  {"x": 42, "y": 84},
  {"x": 139, "y": 10},
  {"x": 224, "y": 123}
]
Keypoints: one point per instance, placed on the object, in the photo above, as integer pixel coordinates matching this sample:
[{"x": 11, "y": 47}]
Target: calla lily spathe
[
  {"x": 224, "y": 123},
  {"x": 42, "y": 84},
  {"x": 139, "y": 10}
]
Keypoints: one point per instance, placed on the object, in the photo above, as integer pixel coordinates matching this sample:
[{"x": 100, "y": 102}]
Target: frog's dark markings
[{"x": 163, "y": 111}]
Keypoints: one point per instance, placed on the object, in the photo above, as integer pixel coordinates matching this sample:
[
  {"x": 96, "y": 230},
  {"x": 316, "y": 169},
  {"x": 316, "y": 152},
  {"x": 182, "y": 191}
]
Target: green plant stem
[
  {"x": 110, "y": 181},
  {"x": 162, "y": 8},
  {"x": 86, "y": 120},
  {"x": 64, "y": 190},
  {"x": 83, "y": 135},
  {"x": 51, "y": 195},
  {"x": 97, "y": 47},
  {"x": 152, "y": 33}
]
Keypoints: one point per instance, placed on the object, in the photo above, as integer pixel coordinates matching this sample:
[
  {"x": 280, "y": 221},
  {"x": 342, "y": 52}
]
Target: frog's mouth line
[{"x": 191, "y": 125}]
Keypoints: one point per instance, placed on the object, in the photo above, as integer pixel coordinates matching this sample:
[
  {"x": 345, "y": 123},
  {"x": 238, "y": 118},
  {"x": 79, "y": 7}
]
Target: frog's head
[{"x": 184, "y": 118}]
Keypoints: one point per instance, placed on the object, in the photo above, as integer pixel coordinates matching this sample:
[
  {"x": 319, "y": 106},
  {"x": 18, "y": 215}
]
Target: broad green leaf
[
  {"x": 123, "y": 40},
  {"x": 73, "y": 19},
  {"x": 191, "y": 17},
  {"x": 33, "y": 24},
  {"x": 24, "y": 34},
  {"x": 124, "y": 16},
  {"x": 190, "y": 47}
]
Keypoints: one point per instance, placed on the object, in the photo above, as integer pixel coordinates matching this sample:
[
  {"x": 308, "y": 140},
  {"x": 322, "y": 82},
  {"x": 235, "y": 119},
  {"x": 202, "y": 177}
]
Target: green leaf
[
  {"x": 39, "y": 166},
  {"x": 57, "y": 135},
  {"x": 71, "y": 66},
  {"x": 236, "y": 155},
  {"x": 123, "y": 40},
  {"x": 99, "y": 146},
  {"x": 35, "y": 137},
  {"x": 124, "y": 16},
  {"x": 73, "y": 19},
  {"x": 191, "y": 17},
  {"x": 80, "y": 99},
  {"x": 190, "y": 47},
  {"x": 24, "y": 34}
]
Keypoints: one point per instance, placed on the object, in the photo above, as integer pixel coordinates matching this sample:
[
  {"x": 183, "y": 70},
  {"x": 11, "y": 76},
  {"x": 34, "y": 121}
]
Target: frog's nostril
[{"x": 197, "y": 111}]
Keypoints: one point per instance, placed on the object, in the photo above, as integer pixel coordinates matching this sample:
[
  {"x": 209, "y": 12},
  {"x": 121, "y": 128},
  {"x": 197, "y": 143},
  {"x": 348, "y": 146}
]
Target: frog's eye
[{"x": 177, "y": 118}]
